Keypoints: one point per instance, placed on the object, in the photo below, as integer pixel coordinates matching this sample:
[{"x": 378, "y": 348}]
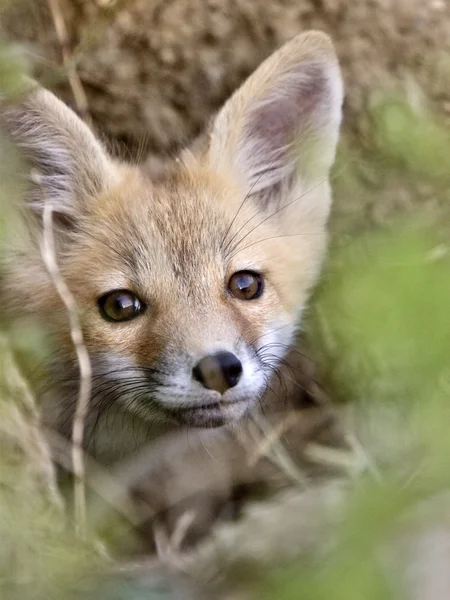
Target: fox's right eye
[{"x": 120, "y": 305}]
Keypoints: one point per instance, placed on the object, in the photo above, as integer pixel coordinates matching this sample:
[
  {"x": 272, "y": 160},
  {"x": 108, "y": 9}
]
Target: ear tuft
[
  {"x": 67, "y": 163},
  {"x": 284, "y": 121}
]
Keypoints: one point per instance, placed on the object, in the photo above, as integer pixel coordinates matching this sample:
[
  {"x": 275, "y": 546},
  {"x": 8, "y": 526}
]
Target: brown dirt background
[{"x": 155, "y": 70}]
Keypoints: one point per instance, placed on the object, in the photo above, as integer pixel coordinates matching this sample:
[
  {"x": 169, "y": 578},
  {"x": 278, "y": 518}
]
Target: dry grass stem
[
  {"x": 334, "y": 457},
  {"x": 365, "y": 459},
  {"x": 167, "y": 551},
  {"x": 272, "y": 438},
  {"x": 269, "y": 445},
  {"x": 74, "y": 80},
  {"x": 49, "y": 257}
]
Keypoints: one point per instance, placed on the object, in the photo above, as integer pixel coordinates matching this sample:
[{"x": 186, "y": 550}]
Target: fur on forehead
[
  {"x": 183, "y": 218},
  {"x": 188, "y": 198}
]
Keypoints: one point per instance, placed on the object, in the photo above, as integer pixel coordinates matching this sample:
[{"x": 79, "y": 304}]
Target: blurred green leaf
[
  {"x": 381, "y": 321},
  {"x": 418, "y": 142}
]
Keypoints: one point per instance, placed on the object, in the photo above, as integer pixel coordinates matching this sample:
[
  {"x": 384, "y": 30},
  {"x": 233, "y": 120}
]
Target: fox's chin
[{"x": 213, "y": 415}]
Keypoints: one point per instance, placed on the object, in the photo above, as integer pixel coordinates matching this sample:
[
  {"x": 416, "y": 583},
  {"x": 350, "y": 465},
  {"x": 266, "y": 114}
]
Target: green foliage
[
  {"x": 12, "y": 67},
  {"x": 418, "y": 142},
  {"x": 381, "y": 317}
]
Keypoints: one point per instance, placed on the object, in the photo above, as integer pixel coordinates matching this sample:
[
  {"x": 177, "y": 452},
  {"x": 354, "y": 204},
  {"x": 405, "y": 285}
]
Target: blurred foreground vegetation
[{"x": 379, "y": 327}]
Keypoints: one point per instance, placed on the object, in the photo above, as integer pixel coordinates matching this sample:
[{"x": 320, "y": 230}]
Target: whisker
[
  {"x": 247, "y": 196},
  {"x": 106, "y": 392},
  {"x": 276, "y": 212},
  {"x": 295, "y": 369},
  {"x": 274, "y": 237},
  {"x": 288, "y": 348},
  {"x": 334, "y": 176},
  {"x": 253, "y": 342}
]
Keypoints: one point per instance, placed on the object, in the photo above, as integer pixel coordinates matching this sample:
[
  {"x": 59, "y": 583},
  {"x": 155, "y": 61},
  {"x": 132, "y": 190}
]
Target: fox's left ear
[
  {"x": 66, "y": 162},
  {"x": 283, "y": 123}
]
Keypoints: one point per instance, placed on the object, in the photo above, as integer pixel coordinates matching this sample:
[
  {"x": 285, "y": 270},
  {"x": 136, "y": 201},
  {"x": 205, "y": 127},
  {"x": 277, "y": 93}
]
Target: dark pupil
[
  {"x": 246, "y": 284},
  {"x": 122, "y": 306}
]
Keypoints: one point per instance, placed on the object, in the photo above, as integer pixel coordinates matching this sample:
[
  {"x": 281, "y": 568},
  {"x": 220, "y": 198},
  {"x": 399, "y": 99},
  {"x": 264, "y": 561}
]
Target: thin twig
[
  {"x": 76, "y": 86},
  {"x": 274, "y": 450},
  {"x": 181, "y": 529},
  {"x": 84, "y": 363},
  {"x": 166, "y": 552},
  {"x": 272, "y": 437},
  {"x": 364, "y": 456},
  {"x": 334, "y": 457}
]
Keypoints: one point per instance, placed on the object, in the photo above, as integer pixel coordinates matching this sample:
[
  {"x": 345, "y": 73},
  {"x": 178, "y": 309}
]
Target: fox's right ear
[
  {"x": 282, "y": 125},
  {"x": 67, "y": 164}
]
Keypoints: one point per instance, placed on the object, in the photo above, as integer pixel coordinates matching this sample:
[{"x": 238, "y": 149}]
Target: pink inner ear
[{"x": 296, "y": 106}]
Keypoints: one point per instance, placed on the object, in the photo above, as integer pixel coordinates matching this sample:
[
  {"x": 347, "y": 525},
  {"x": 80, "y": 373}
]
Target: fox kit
[{"x": 190, "y": 289}]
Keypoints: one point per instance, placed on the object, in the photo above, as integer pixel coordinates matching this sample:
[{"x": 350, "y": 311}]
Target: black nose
[{"x": 219, "y": 371}]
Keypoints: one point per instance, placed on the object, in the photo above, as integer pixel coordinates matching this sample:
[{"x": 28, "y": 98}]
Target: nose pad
[{"x": 218, "y": 372}]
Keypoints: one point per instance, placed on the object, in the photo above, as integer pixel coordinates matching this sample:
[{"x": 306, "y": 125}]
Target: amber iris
[
  {"x": 246, "y": 285},
  {"x": 120, "y": 305}
]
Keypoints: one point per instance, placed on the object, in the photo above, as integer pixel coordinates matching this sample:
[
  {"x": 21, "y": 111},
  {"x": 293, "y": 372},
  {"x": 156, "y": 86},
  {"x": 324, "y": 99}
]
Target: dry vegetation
[{"x": 317, "y": 501}]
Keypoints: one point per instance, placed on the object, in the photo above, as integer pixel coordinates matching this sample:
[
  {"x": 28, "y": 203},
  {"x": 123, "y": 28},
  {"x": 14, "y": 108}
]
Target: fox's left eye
[
  {"x": 120, "y": 305},
  {"x": 246, "y": 285}
]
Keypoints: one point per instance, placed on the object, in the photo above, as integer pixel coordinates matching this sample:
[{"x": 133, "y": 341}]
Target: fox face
[{"x": 190, "y": 289}]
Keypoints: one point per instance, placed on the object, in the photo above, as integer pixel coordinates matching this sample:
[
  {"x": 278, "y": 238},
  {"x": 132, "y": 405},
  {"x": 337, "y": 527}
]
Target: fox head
[{"x": 190, "y": 289}]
